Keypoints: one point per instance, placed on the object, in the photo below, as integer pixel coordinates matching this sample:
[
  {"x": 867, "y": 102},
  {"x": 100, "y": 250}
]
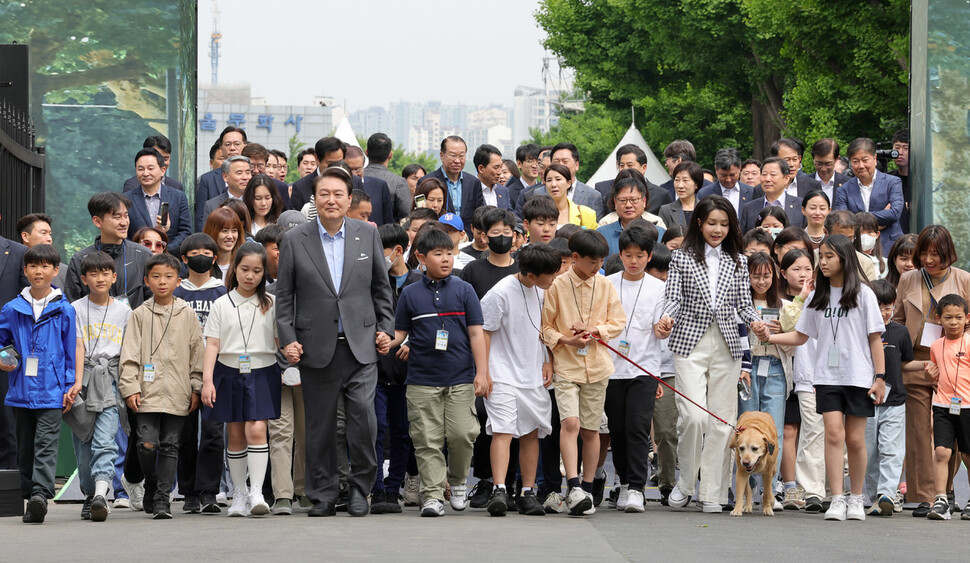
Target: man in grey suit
[
  {"x": 236, "y": 172},
  {"x": 333, "y": 315},
  {"x": 380, "y": 151},
  {"x": 568, "y": 155}
]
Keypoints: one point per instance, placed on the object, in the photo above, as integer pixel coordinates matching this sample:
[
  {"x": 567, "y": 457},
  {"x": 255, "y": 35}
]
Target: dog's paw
[
  {"x": 736, "y": 512},
  {"x": 748, "y": 509},
  {"x": 768, "y": 511}
]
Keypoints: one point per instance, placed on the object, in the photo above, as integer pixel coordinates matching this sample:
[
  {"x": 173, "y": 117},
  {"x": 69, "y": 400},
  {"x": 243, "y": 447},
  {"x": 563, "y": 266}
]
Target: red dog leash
[{"x": 664, "y": 383}]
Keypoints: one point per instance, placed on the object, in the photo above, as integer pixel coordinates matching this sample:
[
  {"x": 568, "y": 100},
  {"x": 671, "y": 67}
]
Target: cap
[
  {"x": 519, "y": 227},
  {"x": 291, "y": 218},
  {"x": 452, "y": 220}
]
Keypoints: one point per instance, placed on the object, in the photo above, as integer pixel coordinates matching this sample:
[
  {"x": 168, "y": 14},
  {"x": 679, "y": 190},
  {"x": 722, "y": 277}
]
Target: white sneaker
[
  {"x": 634, "y": 502},
  {"x": 778, "y": 507},
  {"x": 121, "y": 503},
  {"x": 136, "y": 494},
  {"x": 222, "y": 499},
  {"x": 677, "y": 498},
  {"x": 898, "y": 502},
  {"x": 412, "y": 490},
  {"x": 621, "y": 498},
  {"x": 837, "y": 510},
  {"x": 592, "y": 507},
  {"x": 240, "y": 506},
  {"x": 554, "y": 504},
  {"x": 459, "y": 497},
  {"x": 257, "y": 504},
  {"x": 578, "y": 502},
  {"x": 854, "y": 508},
  {"x": 433, "y": 507},
  {"x": 709, "y": 507}
]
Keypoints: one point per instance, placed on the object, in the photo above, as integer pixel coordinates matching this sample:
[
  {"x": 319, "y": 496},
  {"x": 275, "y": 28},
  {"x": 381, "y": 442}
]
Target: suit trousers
[
  {"x": 287, "y": 438},
  {"x": 200, "y": 455},
  {"x": 919, "y": 442},
  {"x": 810, "y": 459},
  {"x": 356, "y": 383},
  {"x": 709, "y": 376},
  {"x": 665, "y": 435},
  {"x": 629, "y": 408}
]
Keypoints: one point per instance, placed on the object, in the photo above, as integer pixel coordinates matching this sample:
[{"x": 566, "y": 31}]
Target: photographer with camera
[
  {"x": 900, "y": 144},
  {"x": 872, "y": 191}
]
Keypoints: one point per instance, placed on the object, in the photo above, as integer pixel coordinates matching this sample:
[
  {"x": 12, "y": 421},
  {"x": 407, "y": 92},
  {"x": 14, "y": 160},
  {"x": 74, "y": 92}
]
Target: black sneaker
[
  {"x": 665, "y": 495},
  {"x": 209, "y": 503},
  {"x": 813, "y": 504},
  {"x": 342, "y": 498},
  {"x": 481, "y": 494},
  {"x": 192, "y": 504},
  {"x": 499, "y": 503},
  {"x": 36, "y": 510},
  {"x": 965, "y": 515},
  {"x": 951, "y": 499},
  {"x": 148, "y": 503},
  {"x": 513, "y": 503},
  {"x": 392, "y": 503},
  {"x": 530, "y": 505},
  {"x": 599, "y": 487},
  {"x": 922, "y": 510},
  {"x": 161, "y": 511},
  {"x": 86, "y": 508},
  {"x": 99, "y": 509},
  {"x": 939, "y": 511},
  {"x": 378, "y": 503}
]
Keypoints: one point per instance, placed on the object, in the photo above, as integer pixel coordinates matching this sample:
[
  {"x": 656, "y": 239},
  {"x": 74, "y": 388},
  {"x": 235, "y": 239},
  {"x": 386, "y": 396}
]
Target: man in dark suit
[
  {"x": 380, "y": 195},
  {"x": 632, "y": 156},
  {"x": 727, "y": 166},
  {"x": 333, "y": 315},
  {"x": 774, "y": 181},
  {"x": 872, "y": 191},
  {"x": 258, "y": 156},
  {"x": 236, "y": 173},
  {"x": 463, "y": 192},
  {"x": 212, "y": 183},
  {"x": 148, "y": 197},
  {"x": 825, "y": 153},
  {"x": 579, "y": 193},
  {"x": 527, "y": 159},
  {"x": 328, "y": 151},
  {"x": 488, "y": 164},
  {"x": 161, "y": 144},
  {"x": 791, "y": 150},
  {"x": 12, "y": 282},
  {"x": 379, "y": 151}
]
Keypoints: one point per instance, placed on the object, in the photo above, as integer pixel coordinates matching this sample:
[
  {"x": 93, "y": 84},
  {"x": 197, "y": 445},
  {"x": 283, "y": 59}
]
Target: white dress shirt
[
  {"x": 828, "y": 187},
  {"x": 792, "y": 188},
  {"x": 733, "y": 194},
  {"x": 712, "y": 256},
  {"x": 489, "y": 195},
  {"x": 570, "y": 190},
  {"x": 866, "y": 191}
]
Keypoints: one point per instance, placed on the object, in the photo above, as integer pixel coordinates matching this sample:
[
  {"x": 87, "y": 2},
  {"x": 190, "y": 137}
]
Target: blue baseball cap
[{"x": 452, "y": 220}]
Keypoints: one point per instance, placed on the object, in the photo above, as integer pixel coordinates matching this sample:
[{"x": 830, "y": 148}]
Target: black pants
[
  {"x": 629, "y": 407},
  {"x": 38, "y": 433},
  {"x": 482, "y": 454},
  {"x": 132, "y": 472},
  {"x": 158, "y": 451},
  {"x": 321, "y": 387},
  {"x": 8, "y": 432},
  {"x": 200, "y": 458},
  {"x": 549, "y": 450}
]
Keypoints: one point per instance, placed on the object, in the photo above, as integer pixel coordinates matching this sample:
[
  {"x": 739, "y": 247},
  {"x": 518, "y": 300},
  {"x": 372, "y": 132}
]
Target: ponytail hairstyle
[
  {"x": 248, "y": 249},
  {"x": 761, "y": 261},
  {"x": 852, "y": 279}
]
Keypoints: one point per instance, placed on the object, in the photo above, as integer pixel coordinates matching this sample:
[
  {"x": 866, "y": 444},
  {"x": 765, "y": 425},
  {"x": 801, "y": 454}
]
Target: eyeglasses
[
  {"x": 629, "y": 201},
  {"x": 273, "y": 167},
  {"x": 154, "y": 244},
  {"x": 824, "y": 164}
]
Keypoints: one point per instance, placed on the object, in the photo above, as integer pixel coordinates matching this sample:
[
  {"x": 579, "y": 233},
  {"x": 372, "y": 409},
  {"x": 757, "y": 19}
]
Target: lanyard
[
  {"x": 151, "y": 331},
  {"x": 33, "y": 341},
  {"x": 928, "y": 281},
  {"x": 626, "y": 331},
  {"x": 956, "y": 376},
  {"x": 245, "y": 337},
  {"x": 526, "y": 301},
  {"x": 90, "y": 353},
  {"x": 835, "y": 325},
  {"x": 576, "y": 299}
]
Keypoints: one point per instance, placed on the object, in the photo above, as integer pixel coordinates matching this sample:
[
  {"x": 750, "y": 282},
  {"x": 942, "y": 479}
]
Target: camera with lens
[{"x": 887, "y": 154}]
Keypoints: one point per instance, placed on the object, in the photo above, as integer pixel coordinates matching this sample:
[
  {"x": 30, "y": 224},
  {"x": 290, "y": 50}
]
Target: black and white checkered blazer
[{"x": 688, "y": 301}]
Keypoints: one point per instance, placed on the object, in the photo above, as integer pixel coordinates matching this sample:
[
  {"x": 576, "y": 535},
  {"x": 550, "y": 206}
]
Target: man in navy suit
[
  {"x": 791, "y": 150},
  {"x": 872, "y": 191},
  {"x": 632, "y": 156},
  {"x": 727, "y": 166},
  {"x": 463, "y": 192},
  {"x": 328, "y": 150},
  {"x": 377, "y": 189},
  {"x": 488, "y": 163},
  {"x": 12, "y": 281},
  {"x": 147, "y": 199},
  {"x": 527, "y": 159},
  {"x": 825, "y": 153},
  {"x": 774, "y": 181},
  {"x": 232, "y": 139},
  {"x": 161, "y": 144},
  {"x": 675, "y": 153},
  {"x": 236, "y": 172}
]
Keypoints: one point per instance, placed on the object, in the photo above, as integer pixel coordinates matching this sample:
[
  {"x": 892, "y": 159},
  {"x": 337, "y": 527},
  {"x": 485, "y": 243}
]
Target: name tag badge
[
  {"x": 122, "y": 299},
  {"x": 245, "y": 364},
  {"x": 763, "y": 366},
  {"x": 441, "y": 340},
  {"x": 583, "y": 351},
  {"x": 31, "y": 365},
  {"x": 624, "y": 348},
  {"x": 148, "y": 373},
  {"x": 834, "y": 358},
  {"x": 956, "y": 403}
]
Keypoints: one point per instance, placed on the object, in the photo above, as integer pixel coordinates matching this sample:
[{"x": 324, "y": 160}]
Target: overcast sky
[{"x": 374, "y": 52}]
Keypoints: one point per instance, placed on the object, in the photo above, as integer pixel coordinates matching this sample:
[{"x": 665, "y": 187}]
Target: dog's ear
[
  {"x": 734, "y": 441},
  {"x": 770, "y": 446}
]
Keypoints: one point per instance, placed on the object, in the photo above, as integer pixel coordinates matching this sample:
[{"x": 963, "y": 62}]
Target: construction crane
[{"x": 214, "y": 42}]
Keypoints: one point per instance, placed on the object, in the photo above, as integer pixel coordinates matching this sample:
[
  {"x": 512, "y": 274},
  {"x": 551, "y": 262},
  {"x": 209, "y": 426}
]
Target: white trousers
[{"x": 810, "y": 460}]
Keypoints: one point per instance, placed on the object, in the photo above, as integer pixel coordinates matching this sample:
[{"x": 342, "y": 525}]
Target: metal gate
[{"x": 21, "y": 169}]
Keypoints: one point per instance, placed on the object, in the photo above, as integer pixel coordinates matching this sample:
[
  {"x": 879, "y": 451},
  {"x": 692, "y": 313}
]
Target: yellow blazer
[{"x": 582, "y": 216}]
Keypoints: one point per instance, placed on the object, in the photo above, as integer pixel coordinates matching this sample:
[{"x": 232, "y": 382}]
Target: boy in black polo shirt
[{"x": 447, "y": 368}]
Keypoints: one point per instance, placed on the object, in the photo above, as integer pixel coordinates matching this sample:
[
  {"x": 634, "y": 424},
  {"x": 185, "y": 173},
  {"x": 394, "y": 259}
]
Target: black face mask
[
  {"x": 200, "y": 263},
  {"x": 500, "y": 244}
]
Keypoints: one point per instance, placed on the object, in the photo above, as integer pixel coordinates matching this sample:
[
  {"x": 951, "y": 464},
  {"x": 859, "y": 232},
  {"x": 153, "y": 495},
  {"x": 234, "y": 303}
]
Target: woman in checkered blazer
[{"x": 707, "y": 291}]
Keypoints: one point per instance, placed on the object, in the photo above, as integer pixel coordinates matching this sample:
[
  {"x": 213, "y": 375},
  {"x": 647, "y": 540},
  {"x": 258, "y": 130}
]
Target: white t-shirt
[
  {"x": 513, "y": 314},
  {"x": 101, "y": 329},
  {"x": 846, "y": 331},
  {"x": 643, "y": 304},
  {"x": 256, "y": 335}
]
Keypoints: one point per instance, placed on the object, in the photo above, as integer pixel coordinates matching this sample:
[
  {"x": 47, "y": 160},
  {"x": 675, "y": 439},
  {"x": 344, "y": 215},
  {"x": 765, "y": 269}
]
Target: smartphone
[
  {"x": 420, "y": 200},
  {"x": 163, "y": 213}
]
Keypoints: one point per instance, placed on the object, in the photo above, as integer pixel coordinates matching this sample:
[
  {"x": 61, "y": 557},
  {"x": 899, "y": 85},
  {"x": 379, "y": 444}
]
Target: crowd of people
[{"x": 360, "y": 340}]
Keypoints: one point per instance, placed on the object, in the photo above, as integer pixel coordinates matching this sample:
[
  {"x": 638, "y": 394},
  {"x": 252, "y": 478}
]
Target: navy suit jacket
[
  {"x": 284, "y": 189},
  {"x": 669, "y": 186},
  {"x": 502, "y": 197},
  {"x": 178, "y": 215},
  {"x": 12, "y": 278},
  {"x": 525, "y": 195},
  {"x": 657, "y": 197},
  {"x": 748, "y": 193},
  {"x": 805, "y": 183},
  {"x": 515, "y": 187},
  {"x": 886, "y": 190},
  {"x": 132, "y": 183},
  {"x": 471, "y": 195},
  {"x": 793, "y": 208},
  {"x": 382, "y": 208},
  {"x": 210, "y": 185},
  {"x": 303, "y": 189}
]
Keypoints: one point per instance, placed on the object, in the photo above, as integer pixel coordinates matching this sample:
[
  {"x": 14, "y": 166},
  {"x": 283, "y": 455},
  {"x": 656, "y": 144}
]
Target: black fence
[{"x": 21, "y": 169}]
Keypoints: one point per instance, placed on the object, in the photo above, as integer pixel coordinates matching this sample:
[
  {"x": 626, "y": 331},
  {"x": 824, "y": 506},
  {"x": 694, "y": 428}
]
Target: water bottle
[
  {"x": 744, "y": 389},
  {"x": 8, "y": 359}
]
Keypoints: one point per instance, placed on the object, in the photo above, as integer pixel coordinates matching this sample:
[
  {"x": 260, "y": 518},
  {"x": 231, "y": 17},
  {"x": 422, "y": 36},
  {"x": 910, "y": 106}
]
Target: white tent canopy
[
  {"x": 656, "y": 173},
  {"x": 345, "y": 133}
]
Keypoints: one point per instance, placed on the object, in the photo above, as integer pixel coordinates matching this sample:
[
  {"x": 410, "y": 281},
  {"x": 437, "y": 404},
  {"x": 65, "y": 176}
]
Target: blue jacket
[
  {"x": 611, "y": 232},
  {"x": 886, "y": 190},
  {"x": 53, "y": 339}
]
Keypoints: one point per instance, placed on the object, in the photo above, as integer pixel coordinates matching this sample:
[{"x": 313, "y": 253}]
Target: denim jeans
[
  {"x": 96, "y": 457},
  {"x": 768, "y": 395},
  {"x": 886, "y": 444},
  {"x": 121, "y": 441}
]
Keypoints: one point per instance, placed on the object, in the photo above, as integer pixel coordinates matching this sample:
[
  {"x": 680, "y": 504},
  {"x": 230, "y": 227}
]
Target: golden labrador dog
[{"x": 755, "y": 449}]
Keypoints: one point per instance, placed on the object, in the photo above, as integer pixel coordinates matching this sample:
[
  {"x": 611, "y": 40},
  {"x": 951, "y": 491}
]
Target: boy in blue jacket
[{"x": 39, "y": 324}]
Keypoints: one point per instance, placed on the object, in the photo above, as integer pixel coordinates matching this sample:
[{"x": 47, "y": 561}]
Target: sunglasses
[{"x": 155, "y": 245}]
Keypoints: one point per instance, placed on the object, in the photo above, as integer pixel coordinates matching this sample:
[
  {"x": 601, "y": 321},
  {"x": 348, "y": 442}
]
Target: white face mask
[
  {"x": 774, "y": 232},
  {"x": 868, "y": 242}
]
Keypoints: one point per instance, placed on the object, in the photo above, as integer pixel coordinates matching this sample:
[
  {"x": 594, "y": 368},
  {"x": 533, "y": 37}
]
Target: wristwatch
[{"x": 881, "y": 376}]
